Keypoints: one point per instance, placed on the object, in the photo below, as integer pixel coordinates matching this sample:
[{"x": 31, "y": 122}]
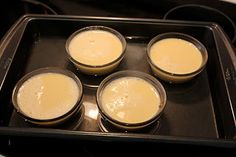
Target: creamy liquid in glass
[
  {"x": 47, "y": 95},
  {"x": 130, "y": 100},
  {"x": 176, "y": 56},
  {"x": 95, "y": 47}
]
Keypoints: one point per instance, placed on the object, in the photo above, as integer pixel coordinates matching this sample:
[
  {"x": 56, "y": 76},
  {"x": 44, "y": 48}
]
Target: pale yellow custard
[
  {"x": 176, "y": 56},
  {"x": 47, "y": 95},
  {"x": 95, "y": 47},
  {"x": 130, "y": 100}
]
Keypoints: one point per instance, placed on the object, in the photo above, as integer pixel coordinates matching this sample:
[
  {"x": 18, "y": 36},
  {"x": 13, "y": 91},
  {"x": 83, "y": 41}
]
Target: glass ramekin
[
  {"x": 97, "y": 69},
  {"x": 131, "y": 126},
  {"x": 174, "y": 77},
  {"x": 53, "y": 121}
]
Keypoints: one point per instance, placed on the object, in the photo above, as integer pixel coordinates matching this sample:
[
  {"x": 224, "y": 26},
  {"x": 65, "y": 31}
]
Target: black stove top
[{"x": 12, "y": 10}]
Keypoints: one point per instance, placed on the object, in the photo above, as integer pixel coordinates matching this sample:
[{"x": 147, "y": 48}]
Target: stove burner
[{"x": 106, "y": 126}]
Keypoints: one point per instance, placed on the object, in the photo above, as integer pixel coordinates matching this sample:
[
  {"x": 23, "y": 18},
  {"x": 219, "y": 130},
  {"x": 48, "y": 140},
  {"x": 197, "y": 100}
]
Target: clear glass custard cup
[
  {"x": 96, "y": 50},
  {"x": 176, "y": 57},
  {"x": 48, "y": 96},
  {"x": 130, "y": 100}
]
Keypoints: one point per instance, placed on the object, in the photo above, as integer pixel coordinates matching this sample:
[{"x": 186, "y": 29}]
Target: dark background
[{"x": 11, "y": 10}]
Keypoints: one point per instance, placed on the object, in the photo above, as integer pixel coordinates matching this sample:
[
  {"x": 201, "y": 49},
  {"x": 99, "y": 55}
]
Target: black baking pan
[{"x": 199, "y": 112}]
